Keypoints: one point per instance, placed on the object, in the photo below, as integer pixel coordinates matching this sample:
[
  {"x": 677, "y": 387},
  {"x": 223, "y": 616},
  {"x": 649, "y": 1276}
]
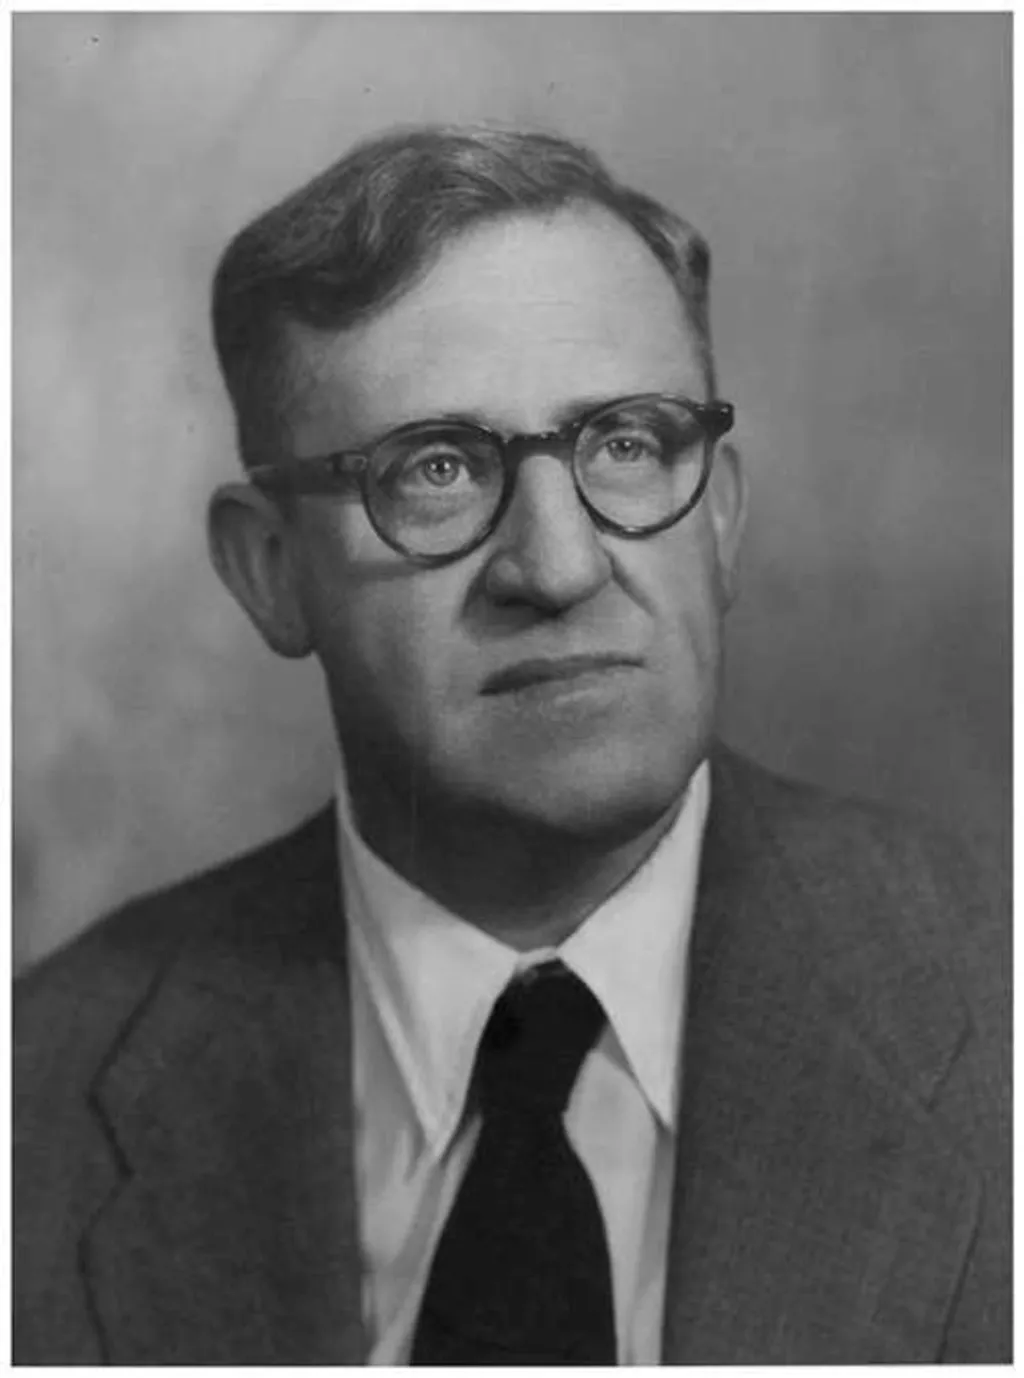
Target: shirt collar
[
  {"x": 432, "y": 979},
  {"x": 632, "y": 952}
]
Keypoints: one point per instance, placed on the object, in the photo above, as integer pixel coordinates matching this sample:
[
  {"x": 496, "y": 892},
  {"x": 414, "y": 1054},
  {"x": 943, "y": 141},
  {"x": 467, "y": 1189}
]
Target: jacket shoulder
[
  {"x": 898, "y": 870},
  {"x": 68, "y": 1007},
  {"x": 910, "y": 925}
]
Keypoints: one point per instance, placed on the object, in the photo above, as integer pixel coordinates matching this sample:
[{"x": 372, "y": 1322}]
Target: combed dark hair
[{"x": 353, "y": 239}]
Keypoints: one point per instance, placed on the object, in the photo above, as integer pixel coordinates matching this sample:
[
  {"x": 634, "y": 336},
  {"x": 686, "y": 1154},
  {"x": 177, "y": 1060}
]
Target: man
[{"x": 564, "y": 1035}]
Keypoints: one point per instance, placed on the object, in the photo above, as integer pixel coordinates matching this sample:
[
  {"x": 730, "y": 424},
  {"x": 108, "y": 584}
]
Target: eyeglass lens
[{"x": 436, "y": 489}]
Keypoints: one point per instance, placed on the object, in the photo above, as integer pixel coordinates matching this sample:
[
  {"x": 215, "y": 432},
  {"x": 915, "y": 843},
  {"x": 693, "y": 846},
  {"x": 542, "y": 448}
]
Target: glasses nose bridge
[{"x": 518, "y": 448}]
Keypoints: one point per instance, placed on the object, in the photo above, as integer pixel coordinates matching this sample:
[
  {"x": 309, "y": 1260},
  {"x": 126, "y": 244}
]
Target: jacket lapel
[
  {"x": 232, "y": 1237},
  {"x": 818, "y": 1216}
]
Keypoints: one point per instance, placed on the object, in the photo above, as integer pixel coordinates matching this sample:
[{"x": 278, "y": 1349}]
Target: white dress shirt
[{"x": 423, "y": 984}]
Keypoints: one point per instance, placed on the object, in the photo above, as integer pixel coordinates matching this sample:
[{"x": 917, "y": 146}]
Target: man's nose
[{"x": 548, "y": 550}]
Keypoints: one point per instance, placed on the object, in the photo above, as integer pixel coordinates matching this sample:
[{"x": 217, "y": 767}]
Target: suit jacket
[{"x": 183, "y": 1186}]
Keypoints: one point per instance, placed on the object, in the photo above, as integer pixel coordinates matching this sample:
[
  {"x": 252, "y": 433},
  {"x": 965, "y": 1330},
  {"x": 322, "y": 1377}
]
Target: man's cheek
[{"x": 408, "y": 664}]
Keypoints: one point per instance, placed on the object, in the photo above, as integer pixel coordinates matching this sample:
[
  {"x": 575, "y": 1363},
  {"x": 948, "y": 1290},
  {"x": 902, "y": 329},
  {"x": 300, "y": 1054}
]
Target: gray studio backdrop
[{"x": 852, "y": 174}]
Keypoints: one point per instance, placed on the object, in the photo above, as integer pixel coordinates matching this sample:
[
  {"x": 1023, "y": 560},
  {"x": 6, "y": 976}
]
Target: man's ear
[
  {"x": 252, "y": 552},
  {"x": 727, "y": 504}
]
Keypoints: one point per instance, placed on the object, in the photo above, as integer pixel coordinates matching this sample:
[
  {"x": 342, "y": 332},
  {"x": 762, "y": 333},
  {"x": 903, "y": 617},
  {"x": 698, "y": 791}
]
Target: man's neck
[{"x": 527, "y": 886}]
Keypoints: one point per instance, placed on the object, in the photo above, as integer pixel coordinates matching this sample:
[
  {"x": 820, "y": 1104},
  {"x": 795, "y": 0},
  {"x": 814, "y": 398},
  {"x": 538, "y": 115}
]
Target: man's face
[{"x": 520, "y": 323}]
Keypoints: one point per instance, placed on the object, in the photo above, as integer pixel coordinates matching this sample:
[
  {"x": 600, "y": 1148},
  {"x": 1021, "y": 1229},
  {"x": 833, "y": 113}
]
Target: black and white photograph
[{"x": 512, "y": 719}]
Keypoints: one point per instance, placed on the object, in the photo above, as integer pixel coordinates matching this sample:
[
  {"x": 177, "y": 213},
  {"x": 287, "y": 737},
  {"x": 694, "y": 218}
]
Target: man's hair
[{"x": 357, "y": 236}]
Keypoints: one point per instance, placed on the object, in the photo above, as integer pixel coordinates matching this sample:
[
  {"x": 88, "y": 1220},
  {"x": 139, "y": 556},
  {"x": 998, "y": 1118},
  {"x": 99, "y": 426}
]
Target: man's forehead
[{"x": 570, "y": 302}]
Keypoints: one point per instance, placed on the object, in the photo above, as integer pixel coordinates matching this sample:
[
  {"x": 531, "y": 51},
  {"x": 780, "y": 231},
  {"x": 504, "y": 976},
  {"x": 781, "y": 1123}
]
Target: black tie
[{"x": 522, "y": 1273}]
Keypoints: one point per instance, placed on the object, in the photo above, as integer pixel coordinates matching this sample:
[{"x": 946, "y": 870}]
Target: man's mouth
[{"x": 525, "y": 674}]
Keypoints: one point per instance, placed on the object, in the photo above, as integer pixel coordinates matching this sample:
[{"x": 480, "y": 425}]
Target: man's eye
[
  {"x": 437, "y": 469},
  {"x": 631, "y": 449}
]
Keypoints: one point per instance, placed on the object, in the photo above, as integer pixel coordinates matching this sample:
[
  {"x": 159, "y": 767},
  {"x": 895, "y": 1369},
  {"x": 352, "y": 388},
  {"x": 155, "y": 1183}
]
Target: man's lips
[{"x": 526, "y": 673}]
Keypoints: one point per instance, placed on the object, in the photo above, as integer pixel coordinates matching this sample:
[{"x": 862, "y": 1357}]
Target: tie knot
[{"x": 539, "y": 1032}]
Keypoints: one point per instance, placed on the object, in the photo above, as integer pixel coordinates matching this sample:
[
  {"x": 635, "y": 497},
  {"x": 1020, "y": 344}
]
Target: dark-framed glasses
[{"x": 435, "y": 490}]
